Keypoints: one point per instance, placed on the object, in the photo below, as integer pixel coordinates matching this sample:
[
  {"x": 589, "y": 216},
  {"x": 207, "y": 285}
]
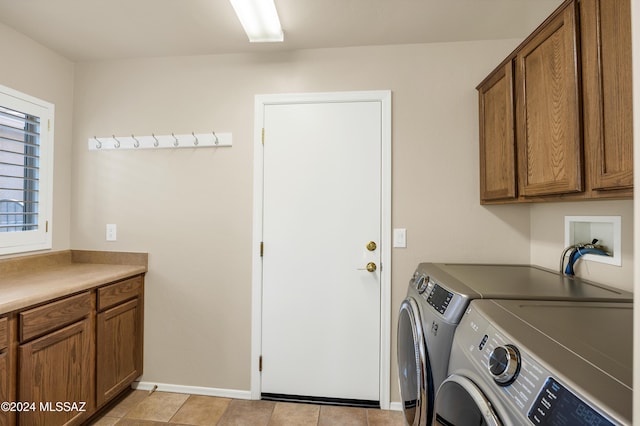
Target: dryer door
[
  {"x": 414, "y": 371},
  {"x": 459, "y": 402}
]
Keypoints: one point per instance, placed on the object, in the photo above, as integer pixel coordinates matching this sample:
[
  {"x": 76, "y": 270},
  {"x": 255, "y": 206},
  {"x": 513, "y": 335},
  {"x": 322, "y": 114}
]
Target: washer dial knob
[
  {"x": 421, "y": 283},
  {"x": 504, "y": 364}
]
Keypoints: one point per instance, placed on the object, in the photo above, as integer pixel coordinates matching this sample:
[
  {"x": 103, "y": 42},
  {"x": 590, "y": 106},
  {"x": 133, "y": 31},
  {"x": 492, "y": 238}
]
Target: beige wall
[
  {"x": 192, "y": 209},
  {"x": 37, "y": 71}
]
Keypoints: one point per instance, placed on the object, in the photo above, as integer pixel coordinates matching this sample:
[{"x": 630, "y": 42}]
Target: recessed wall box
[{"x": 606, "y": 229}]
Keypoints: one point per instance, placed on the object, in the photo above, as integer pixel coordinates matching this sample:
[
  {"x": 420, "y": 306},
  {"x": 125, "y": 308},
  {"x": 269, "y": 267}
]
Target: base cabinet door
[
  {"x": 6, "y": 417},
  {"x": 55, "y": 374},
  {"x": 119, "y": 349},
  {"x": 4, "y": 387}
]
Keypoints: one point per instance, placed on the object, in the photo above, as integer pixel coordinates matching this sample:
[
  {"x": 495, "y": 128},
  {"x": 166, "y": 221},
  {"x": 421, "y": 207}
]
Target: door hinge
[
  {"x": 46, "y": 226},
  {"x": 260, "y": 364},
  {"x": 261, "y": 248},
  {"x": 263, "y": 136}
]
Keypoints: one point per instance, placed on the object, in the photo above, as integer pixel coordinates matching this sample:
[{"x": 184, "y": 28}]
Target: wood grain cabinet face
[
  {"x": 607, "y": 91},
  {"x": 497, "y": 141},
  {"x": 548, "y": 109},
  {"x": 57, "y": 367},
  {"x": 119, "y": 338},
  {"x": 573, "y": 110},
  {"x": 5, "y": 369}
]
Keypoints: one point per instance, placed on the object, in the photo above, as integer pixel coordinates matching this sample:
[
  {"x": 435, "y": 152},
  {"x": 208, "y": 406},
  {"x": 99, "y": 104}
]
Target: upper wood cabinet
[
  {"x": 548, "y": 109},
  {"x": 497, "y": 141},
  {"x": 571, "y": 110},
  {"x": 606, "y": 82}
]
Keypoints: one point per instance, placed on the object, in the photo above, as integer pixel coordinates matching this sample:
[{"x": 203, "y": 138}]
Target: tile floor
[{"x": 165, "y": 408}]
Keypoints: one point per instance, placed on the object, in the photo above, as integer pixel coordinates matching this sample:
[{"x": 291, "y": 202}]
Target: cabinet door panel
[
  {"x": 57, "y": 368},
  {"x": 4, "y": 386},
  {"x": 548, "y": 110},
  {"x": 119, "y": 357},
  {"x": 497, "y": 144},
  {"x": 606, "y": 79}
]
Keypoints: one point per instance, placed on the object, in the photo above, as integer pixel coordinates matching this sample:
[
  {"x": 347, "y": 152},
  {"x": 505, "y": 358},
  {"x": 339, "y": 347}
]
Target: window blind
[{"x": 19, "y": 170}]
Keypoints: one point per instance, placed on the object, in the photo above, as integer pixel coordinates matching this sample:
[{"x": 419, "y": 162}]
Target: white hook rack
[{"x": 192, "y": 140}]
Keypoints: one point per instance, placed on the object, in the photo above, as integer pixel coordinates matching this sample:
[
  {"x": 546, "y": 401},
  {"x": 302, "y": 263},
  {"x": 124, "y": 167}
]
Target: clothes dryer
[
  {"x": 437, "y": 297},
  {"x": 539, "y": 363}
]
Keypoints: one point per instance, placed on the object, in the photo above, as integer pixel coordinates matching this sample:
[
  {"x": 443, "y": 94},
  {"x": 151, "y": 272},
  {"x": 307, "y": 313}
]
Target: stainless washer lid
[{"x": 523, "y": 282}]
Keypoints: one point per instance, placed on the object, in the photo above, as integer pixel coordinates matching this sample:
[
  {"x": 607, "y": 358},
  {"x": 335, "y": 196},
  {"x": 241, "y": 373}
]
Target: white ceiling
[{"x": 90, "y": 30}]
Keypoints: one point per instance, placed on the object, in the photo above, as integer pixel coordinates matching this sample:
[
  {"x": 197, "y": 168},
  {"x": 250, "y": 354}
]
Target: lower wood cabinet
[
  {"x": 56, "y": 373},
  {"x": 6, "y": 417},
  {"x": 119, "y": 338},
  {"x": 62, "y": 361},
  {"x": 56, "y": 357}
]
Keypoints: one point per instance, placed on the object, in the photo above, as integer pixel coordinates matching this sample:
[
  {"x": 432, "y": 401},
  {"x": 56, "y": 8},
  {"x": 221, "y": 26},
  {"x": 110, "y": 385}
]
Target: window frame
[{"x": 41, "y": 238}]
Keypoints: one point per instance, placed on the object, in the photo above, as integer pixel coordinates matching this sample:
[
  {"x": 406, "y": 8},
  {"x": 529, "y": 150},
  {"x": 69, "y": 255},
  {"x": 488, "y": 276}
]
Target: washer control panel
[
  {"x": 539, "y": 397},
  {"x": 555, "y": 404}
]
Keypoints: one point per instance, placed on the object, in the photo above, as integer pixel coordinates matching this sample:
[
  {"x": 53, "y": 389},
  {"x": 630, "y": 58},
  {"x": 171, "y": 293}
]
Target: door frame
[{"x": 261, "y": 101}]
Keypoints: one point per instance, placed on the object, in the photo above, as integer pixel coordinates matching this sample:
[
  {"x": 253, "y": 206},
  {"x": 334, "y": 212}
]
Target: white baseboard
[
  {"x": 194, "y": 390},
  {"x": 222, "y": 393},
  {"x": 395, "y": 406}
]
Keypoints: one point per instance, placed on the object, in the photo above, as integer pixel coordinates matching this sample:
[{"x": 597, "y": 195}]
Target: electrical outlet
[{"x": 111, "y": 231}]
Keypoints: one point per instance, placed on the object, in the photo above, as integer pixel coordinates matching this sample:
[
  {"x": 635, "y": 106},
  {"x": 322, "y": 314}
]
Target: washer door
[
  {"x": 414, "y": 371},
  {"x": 459, "y": 402}
]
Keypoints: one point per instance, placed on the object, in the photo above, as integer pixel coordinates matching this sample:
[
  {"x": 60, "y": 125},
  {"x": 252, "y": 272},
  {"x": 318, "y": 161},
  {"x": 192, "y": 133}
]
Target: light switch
[
  {"x": 111, "y": 231},
  {"x": 400, "y": 237}
]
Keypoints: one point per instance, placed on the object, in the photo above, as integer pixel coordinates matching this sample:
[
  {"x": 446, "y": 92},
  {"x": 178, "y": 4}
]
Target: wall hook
[{"x": 152, "y": 141}]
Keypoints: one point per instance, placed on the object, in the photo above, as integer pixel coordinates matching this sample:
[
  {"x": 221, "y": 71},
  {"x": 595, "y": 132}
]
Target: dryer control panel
[
  {"x": 439, "y": 298},
  {"x": 449, "y": 304}
]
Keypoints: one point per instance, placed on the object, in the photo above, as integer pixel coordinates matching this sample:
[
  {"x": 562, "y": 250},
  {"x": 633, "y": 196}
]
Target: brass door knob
[
  {"x": 371, "y": 246},
  {"x": 371, "y": 267}
]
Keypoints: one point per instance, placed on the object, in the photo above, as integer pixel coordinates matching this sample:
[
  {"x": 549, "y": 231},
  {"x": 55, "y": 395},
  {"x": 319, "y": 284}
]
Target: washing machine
[
  {"x": 437, "y": 297},
  {"x": 539, "y": 363}
]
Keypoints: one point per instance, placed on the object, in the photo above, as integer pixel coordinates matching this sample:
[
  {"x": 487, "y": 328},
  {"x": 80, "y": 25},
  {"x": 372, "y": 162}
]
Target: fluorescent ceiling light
[{"x": 259, "y": 19}]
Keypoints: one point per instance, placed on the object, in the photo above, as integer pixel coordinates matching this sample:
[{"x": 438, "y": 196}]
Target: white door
[{"x": 321, "y": 208}]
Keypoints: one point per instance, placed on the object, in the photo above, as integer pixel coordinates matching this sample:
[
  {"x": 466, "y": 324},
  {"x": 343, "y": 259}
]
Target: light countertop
[{"x": 30, "y": 280}]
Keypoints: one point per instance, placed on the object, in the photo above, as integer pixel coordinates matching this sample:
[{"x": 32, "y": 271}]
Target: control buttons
[
  {"x": 483, "y": 342},
  {"x": 504, "y": 364}
]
